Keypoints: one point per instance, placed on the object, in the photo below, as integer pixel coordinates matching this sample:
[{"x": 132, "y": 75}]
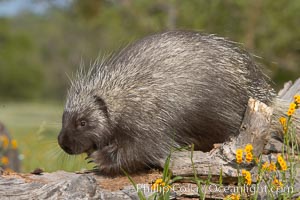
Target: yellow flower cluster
[
  {"x": 281, "y": 162},
  {"x": 292, "y": 109},
  {"x": 297, "y": 99},
  {"x": 239, "y": 156},
  {"x": 248, "y": 150},
  {"x": 272, "y": 167},
  {"x": 249, "y": 156},
  {"x": 14, "y": 144},
  {"x": 232, "y": 197},
  {"x": 283, "y": 123},
  {"x": 160, "y": 183},
  {"x": 4, "y": 160},
  {"x": 269, "y": 166},
  {"x": 294, "y": 105},
  {"x": 247, "y": 176},
  {"x": 4, "y": 145},
  {"x": 277, "y": 183},
  {"x": 156, "y": 183},
  {"x": 4, "y": 142}
]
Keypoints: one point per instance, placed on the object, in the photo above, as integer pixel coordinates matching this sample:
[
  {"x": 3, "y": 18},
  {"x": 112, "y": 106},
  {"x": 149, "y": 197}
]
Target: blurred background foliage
[{"x": 39, "y": 49}]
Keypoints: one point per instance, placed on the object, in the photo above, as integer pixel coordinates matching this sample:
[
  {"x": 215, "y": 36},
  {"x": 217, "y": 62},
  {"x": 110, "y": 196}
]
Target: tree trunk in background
[
  {"x": 253, "y": 14},
  {"x": 171, "y": 15}
]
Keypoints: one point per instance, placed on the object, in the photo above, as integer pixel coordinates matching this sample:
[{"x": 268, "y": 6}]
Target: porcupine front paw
[{"x": 106, "y": 160}]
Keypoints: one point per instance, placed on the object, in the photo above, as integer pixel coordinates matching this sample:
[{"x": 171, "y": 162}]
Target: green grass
[{"x": 35, "y": 126}]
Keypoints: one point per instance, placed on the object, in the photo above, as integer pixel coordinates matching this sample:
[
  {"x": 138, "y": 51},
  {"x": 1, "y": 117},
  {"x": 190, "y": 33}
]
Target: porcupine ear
[{"x": 102, "y": 105}]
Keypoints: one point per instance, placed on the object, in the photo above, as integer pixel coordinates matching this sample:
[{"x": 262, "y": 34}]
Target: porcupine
[{"x": 167, "y": 90}]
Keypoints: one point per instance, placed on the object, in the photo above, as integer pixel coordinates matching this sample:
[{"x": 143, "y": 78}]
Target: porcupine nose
[{"x": 64, "y": 142}]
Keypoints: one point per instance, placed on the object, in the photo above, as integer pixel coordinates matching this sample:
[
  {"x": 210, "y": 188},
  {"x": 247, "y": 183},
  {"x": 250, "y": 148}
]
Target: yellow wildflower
[
  {"x": 290, "y": 112},
  {"x": 277, "y": 183},
  {"x": 14, "y": 144},
  {"x": 159, "y": 181},
  {"x": 283, "y": 122},
  {"x": 239, "y": 156},
  {"x": 272, "y": 167},
  {"x": 154, "y": 186},
  {"x": 269, "y": 166},
  {"x": 249, "y": 148},
  {"x": 232, "y": 197},
  {"x": 5, "y": 141},
  {"x": 293, "y": 105},
  {"x": 249, "y": 157},
  {"x": 4, "y": 160},
  {"x": 248, "y": 181},
  {"x": 244, "y": 172},
  {"x": 281, "y": 162},
  {"x": 297, "y": 99},
  {"x": 156, "y": 183},
  {"x": 292, "y": 109},
  {"x": 160, "y": 184},
  {"x": 247, "y": 176},
  {"x": 265, "y": 166}
]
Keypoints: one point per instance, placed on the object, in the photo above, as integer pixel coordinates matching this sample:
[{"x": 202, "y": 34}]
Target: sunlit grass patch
[{"x": 35, "y": 127}]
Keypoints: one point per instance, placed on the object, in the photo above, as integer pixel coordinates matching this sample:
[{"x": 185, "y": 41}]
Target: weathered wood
[
  {"x": 59, "y": 185},
  {"x": 284, "y": 98},
  {"x": 289, "y": 90}
]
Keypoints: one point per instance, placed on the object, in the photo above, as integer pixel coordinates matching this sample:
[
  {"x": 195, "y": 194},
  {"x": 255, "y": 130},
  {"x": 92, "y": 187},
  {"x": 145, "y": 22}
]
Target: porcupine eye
[{"x": 83, "y": 123}]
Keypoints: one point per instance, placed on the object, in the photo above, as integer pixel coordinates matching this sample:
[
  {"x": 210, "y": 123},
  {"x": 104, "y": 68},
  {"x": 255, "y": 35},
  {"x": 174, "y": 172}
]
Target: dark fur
[{"x": 166, "y": 90}]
